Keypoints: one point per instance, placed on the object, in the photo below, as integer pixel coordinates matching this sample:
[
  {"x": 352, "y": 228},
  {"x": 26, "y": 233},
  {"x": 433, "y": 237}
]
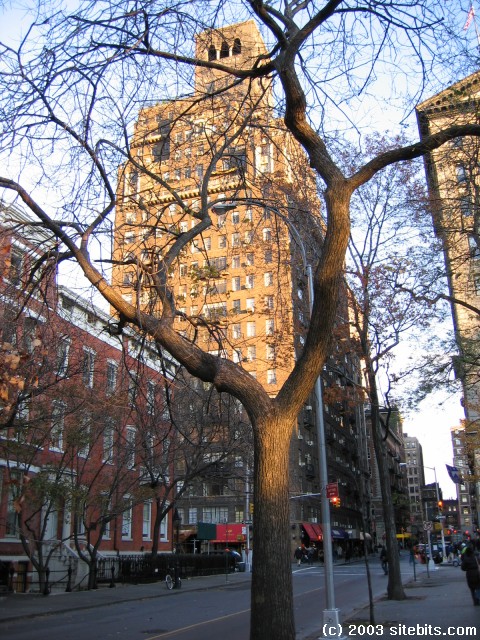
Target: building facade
[
  {"x": 240, "y": 287},
  {"x": 416, "y": 480},
  {"x": 82, "y": 422},
  {"x": 453, "y": 181}
]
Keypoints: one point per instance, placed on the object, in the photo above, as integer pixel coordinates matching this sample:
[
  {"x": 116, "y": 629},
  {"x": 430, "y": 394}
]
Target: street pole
[
  {"x": 440, "y": 517},
  {"x": 247, "y": 519}
]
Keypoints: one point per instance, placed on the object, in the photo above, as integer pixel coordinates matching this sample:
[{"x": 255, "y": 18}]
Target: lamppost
[{"x": 331, "y": 619}]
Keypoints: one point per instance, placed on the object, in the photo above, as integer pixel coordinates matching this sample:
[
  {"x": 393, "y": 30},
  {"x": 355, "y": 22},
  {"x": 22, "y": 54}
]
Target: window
[
  {"x": 88, "y": 366},
  {"x": 269, "y": 327},
  {"x": 251, "y": 353},
  {"x": 127, "y": 520},
  {"x": 29, "y": 332},
  {"x": 237, "y": 306},
  {"x": 271, "y": 376},
  {"x": 237, "y": 47},
  {"x": 62, "y": 357},
  {"x": 250, "y": 258},
  {"x": 130, "y": 447},
  {"x": 236, "y": 262},
  {"x": 268, "y": 257},
  {"x": 250, "y": 304},
  {"x": 132, "y": 388},
  {"x": 236, "y": 284},
  {"x": 13, "y": 516},
  {"x": 108, "y": 441},
  {"x": 269, "y": 302},
  {"x": 235, "y": 239},
  {"x": 16, "y": 267},
  {"x": 188, "y": 171},
  {"x": 151, "y": 388},
  {"x": 461, "y": 173},
  {"x": 147, "y": 521},
  {"x": 222, "y": 242},
  {"x": 268, "y": 279},
  {"x": 84, "y": 436},
  {"x": 112, "y": 372},
  {"x": 251, "y": 331},
  {"x": 215, "y": 514},
  {"x": 267, "y": 235},
  {"x": 224, "y": 50},
  {"x": 212, "y": 53},
  {"x": 248, "y": 237},
  {"x": 236, "y": 331},
  {"x": 270, "y": 351},
  {"x": 250, "y": 281},
  {"x": 207, "y": 243},
  {"x": 58, "y": 425},
  {"x": 199, "y": 171}
]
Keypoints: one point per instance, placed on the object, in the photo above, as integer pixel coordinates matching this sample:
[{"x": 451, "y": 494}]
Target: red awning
[
  {"x": 309, "y": 530},
  {"x": 318, "y": 530}
]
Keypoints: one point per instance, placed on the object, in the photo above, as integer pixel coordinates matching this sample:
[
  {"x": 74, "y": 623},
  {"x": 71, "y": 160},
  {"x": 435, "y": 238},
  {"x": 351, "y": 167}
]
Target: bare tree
[{"x": 75, "y": 83}]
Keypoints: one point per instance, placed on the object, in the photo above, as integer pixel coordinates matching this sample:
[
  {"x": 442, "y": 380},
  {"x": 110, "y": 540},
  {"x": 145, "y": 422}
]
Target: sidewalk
[{"x": 436, "y": 605}]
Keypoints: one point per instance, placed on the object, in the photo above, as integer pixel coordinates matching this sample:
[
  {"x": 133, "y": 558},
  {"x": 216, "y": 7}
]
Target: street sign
[
  {"x": 332, "y": 490},
  {"x": 427, "y": 525}
]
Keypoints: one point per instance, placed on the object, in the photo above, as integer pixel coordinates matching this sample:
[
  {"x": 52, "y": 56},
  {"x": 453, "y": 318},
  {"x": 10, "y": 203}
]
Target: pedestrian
[
  {"x": 298, "y": 555},
  {"x": 470, "y": 566},
  {"x": 384, "y": 560}
]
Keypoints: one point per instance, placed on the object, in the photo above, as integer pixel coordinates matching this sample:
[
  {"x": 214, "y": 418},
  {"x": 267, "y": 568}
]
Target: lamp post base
[{"x": 331, "y": 628}]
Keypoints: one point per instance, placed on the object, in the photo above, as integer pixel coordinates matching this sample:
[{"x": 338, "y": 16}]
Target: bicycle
[{"x": 175, "y": 582}]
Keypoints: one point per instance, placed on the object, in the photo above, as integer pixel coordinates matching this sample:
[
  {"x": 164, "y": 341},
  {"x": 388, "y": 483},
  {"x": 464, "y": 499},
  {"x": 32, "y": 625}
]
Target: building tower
[
  {"x": 240, "y": 286},
  {"x": 416, "y": 480},
  {"x": 453, "y": 178}
]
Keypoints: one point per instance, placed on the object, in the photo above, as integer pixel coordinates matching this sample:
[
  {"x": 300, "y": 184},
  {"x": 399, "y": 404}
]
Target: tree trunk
[
  {"x": 395, "y": 587},
  {"x": 272, "y": 616},
  {"x": 156, "y": 527}
]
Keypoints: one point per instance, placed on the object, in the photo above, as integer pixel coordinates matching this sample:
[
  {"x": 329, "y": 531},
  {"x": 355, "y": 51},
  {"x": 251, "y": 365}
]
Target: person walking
[
  {"x": 384, "y": 560},
  {"x": 470, "y": 566},
  {"x": 298, "y": 555}
]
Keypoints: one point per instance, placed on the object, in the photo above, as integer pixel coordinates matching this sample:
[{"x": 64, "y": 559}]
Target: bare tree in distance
[
  {"x": 75, "y": 85},
  {"x": 389, "y": 249}
]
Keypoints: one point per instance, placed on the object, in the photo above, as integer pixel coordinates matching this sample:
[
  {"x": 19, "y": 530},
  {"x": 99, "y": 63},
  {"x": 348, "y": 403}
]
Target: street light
[{"x": 331, "y": 617}]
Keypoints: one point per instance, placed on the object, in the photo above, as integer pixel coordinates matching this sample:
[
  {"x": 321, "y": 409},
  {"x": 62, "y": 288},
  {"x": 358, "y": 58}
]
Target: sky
[{"x": 434, "y": 417}]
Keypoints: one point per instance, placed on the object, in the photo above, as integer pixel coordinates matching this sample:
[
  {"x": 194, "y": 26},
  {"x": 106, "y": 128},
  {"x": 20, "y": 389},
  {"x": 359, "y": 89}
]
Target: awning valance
[{"x": 309, "y": 530}]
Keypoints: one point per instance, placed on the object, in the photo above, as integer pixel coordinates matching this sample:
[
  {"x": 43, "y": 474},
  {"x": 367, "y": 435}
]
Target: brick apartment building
[{"x": 83, "y": 431}]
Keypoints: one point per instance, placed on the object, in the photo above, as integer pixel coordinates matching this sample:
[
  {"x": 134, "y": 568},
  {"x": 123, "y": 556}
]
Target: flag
[
  {"x": 454, "y": 474},
  {"x": 470, "y": 16}
]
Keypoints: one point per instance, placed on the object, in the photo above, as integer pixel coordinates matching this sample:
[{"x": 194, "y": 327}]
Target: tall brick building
[
  {"x": 453, "y": 180},
  {"x": 240, "y": 287}
]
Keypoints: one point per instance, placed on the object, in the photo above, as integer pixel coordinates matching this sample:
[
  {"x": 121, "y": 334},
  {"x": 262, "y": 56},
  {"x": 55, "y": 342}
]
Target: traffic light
[
  {"x": 440, "y": 506},
  {"x": 335, "y": 502}
]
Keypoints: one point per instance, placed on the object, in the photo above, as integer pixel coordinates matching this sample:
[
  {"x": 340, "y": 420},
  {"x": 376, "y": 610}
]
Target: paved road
[{"x": 217, "y": 613}]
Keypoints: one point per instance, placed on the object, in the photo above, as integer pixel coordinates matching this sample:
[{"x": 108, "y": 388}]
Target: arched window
[
  {"x": 224, "y": 51},
  {"x": 237, "y": 47},
  {"x": 212, "y": 52}
]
